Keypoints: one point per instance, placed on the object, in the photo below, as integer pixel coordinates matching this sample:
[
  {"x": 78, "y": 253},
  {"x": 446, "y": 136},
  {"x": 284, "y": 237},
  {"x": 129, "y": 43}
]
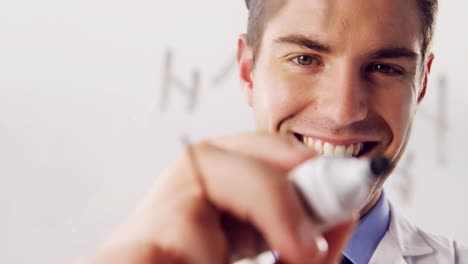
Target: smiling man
[
  {"x": 323, "y": 77},
  {"x": 340, "y": 76}
]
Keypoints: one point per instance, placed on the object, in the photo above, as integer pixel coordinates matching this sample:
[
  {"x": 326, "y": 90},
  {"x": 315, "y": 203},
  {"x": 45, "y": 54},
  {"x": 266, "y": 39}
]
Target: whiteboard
[{"x": 96, "y": 95}]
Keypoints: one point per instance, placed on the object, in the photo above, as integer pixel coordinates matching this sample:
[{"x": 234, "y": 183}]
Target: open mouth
[{"x": 328, "y": 149}]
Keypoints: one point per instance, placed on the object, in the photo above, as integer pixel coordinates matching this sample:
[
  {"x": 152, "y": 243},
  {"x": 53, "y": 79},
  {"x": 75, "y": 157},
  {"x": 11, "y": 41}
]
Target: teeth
[
  {"x": 328, "y": 149},
  {"x": 318, "y": 147},
  {"x": 357, "y": 149},
  {"x": 308, "y": 142},
  {"x": 349, "y": 151},
  {"x": 340, "y": 151}
]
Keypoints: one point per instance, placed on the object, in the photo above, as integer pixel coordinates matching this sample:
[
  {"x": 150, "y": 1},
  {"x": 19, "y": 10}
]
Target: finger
[
  {"x": 281, "y": 152},
  {"x": 261, "y": 195},
  {"x": 337, "y": 240},
  {"x": 243, "y": 239}
]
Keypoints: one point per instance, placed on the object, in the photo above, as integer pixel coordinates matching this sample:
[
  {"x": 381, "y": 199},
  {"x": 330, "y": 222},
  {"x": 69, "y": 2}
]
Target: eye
[
  {"x": 305, "y": 60},
  {"x": 385, "y": 69}
]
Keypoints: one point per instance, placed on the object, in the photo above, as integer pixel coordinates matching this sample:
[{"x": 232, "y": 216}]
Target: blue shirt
[{"x": 368, "y": 233}]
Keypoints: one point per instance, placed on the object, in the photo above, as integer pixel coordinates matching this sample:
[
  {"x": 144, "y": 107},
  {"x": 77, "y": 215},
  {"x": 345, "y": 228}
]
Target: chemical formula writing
[{"x": 171, "y": 83}]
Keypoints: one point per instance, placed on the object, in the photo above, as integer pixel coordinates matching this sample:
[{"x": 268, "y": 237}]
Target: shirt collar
[{"x": 368, "y": 233}]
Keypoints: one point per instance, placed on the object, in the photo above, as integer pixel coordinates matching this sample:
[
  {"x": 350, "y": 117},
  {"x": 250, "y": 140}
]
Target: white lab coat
[{"x": 404, "y": 243}]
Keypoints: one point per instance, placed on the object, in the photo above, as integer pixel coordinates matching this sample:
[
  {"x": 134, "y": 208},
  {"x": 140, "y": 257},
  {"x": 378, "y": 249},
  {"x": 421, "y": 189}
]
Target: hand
[{"x": 222, "y": 200}]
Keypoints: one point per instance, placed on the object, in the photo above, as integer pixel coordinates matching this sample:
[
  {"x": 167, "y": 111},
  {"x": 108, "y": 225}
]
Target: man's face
[{"x": 342, "y": 76}]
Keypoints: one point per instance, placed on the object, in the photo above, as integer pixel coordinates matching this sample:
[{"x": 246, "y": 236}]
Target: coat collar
[{"x": 401, "y": 241}]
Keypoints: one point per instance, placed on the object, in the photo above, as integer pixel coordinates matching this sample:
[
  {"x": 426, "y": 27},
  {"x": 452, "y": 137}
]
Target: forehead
[{"x": 349, "y": 23}]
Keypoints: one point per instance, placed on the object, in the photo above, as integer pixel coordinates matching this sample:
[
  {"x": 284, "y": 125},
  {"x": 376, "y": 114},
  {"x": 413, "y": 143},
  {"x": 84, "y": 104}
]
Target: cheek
[
  {"x": 397, "y": 108},
  {"x": 276, "y": 96}
]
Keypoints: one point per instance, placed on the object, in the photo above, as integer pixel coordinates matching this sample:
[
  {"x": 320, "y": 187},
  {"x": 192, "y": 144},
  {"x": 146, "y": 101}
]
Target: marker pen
[
  {"x": 332, "y": 189},
  {"x": 335, "y": 188}
]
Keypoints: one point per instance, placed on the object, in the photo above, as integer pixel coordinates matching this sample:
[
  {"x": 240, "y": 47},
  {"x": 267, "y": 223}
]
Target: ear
[
  {"x": 245, "y": 65},
  {"x": 426, "y": 73}
]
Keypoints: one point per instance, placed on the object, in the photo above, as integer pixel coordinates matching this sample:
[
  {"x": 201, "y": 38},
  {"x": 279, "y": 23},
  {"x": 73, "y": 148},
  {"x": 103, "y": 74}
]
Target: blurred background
[{"x": 96, "y": 95}]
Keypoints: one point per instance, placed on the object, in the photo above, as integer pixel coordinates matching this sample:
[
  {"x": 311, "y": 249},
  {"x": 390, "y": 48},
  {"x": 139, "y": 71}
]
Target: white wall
[{"x": 83, "y": 132}]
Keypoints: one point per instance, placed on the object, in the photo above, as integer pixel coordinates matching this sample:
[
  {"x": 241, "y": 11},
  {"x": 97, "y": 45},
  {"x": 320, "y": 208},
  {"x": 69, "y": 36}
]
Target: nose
[{"x": 343, "y": 98}]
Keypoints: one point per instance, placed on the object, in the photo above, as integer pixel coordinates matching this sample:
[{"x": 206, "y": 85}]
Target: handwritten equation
[
  {"x": 439, "y": 117},
  {"x": 171, "y": 83}
]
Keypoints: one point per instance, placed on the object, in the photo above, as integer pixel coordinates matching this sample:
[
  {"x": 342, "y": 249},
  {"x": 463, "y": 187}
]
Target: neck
[{"x": 372, "y": 201}]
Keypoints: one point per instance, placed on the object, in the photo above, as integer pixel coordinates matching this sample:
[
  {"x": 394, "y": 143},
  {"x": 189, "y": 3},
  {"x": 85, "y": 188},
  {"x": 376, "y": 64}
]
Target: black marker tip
[{"x": 380, "y": 165}]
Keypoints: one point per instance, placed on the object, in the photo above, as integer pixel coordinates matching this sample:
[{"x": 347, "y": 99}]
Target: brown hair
[
  {"x": 260, "y": 11},
  {"x": 428, "y": 9}
]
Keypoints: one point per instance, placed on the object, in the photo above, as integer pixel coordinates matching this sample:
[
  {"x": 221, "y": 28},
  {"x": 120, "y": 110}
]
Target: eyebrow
[
  {"x": 306, "y": 42},
  {"x": 318, "y": 46},
  {"x": 395, "y": 53}
]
